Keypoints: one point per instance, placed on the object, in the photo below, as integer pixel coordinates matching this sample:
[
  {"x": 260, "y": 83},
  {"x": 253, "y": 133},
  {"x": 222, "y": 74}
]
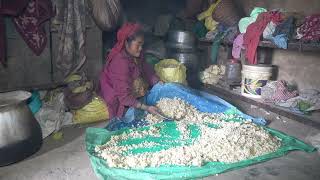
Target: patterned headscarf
[{"x": 127, "y": 30}]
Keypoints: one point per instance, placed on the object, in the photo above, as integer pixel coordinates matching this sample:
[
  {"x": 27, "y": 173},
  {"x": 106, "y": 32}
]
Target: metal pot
[
  {"x": 190, "y": 60},
  {"x": 20, "y": 133},
  {"x": 181, "y": 40}
]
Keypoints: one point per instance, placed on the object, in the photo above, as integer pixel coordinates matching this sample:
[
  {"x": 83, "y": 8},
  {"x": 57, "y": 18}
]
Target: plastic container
[
  {"x": 254, "y": 77},
  {"x": 233, "y": 72}
]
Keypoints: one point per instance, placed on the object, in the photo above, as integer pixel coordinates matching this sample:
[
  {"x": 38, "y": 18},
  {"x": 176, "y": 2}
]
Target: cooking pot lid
[{"x": 13, "y": 97}]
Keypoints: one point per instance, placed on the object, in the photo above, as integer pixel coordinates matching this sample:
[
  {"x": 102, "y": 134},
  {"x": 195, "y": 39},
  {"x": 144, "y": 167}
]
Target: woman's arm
[
  {"x": 122, "y": 82},
  {"x": 149, "y": 73}
]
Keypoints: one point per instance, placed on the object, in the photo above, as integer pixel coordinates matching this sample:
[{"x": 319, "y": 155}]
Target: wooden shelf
[
  {"x": 232, "y": 96},
  {"x": 267, "y": 44}
]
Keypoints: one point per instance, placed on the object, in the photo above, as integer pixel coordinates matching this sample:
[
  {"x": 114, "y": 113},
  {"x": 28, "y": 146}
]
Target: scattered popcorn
[
  {"x": 212, "y": 74},
  {"x": 227, "y": 141}
]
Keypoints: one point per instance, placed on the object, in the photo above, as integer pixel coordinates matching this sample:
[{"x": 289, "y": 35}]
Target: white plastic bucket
[{"x": 254, "y": 77}]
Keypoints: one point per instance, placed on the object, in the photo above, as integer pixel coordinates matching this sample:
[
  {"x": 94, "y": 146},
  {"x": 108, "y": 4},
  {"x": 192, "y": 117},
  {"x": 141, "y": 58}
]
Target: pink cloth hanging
[{"x": 237, "y": 46}]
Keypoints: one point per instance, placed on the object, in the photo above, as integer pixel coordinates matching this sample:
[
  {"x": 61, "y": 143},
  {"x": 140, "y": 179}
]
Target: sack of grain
[
  {"x": 170, "y": 70},
  {"x": 95, "y": 111},
  {"x": 106, "y": 13}
]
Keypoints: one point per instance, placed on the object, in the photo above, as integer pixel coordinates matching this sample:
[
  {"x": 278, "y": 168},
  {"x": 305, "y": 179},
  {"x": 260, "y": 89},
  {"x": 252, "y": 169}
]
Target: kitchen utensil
[{"x": 20, "y": 133}]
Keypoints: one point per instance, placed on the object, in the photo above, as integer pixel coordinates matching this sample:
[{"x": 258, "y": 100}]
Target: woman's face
[{"x": 135, "y": 47}]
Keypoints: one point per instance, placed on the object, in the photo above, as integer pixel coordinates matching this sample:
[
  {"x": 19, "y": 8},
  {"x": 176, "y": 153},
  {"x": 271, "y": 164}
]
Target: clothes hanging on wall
[
  {"x": 71, "y": 53},
  {"x": 30, "y": 24},
  {"x": 254, "y": 31},
  {"x": 246, "y": 21},
  {"x": 286, "y": 27},
  {"x": 237, "y": 46},
  {"x": 310, "y": 29},
  {"x": 8, "y": 8},
  {"x": 269, "y": 30},
  {"x": 283, "y": 33},
  {"x": 29, "y": 17}
]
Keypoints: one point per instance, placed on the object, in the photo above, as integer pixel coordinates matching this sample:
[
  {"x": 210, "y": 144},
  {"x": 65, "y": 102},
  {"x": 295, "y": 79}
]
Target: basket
[
  {"x": 227, "y": 13},
  {"x": 248, "y": 5}
]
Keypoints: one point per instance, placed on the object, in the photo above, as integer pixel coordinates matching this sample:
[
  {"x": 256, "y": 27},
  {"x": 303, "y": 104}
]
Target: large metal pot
[
  {"x": 20, "y": 133},
  {"x": 190, "y": 60},
  {"x": 182, "y": 41}
]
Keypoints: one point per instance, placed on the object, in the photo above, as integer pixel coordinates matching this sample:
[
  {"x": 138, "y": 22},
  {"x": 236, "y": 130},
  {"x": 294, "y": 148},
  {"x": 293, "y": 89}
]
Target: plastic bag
[
  {"x": 315, "y": 141},
  {"x": 212, "y": 74},
  {"x": 170, "y": 70},
  {"x": 53, "y": 116},
  {"x": 106, "y": 13},
  {"x": 95, "y": 111},
  {"x": 211, "y": 24}
]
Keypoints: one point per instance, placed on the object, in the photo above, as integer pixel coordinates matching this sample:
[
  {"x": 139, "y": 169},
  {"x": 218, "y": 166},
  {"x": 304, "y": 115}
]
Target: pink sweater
[{"x": 116, "y": 82}]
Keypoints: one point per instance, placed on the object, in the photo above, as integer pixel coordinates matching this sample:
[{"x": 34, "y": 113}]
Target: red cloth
[
  {"x": 119, "y": 73},
  {"x": 310, "y": 29},
  {"x": 30, "y": 24},
  {"x": 127, "y": 30},
  {"x": 254, "y": 31}
]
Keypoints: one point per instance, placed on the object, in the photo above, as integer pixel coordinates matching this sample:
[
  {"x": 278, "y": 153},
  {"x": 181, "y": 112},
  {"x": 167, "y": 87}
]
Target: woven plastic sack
[
  {"x": 95, "y": 111},
  {"x": 106, "y": 13},
  {"x": 170, "y": 70}
]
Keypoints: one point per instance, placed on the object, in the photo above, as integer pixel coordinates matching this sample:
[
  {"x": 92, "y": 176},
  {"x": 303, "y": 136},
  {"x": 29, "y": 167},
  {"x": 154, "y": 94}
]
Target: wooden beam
[
  {"x": 35, "y": 87},
  {"x": 268, "y": 44}
]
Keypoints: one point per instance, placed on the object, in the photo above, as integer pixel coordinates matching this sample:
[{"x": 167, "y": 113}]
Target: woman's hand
[
  {"x": 152, "y": 110},
  {"x": 149, "y": 109}
]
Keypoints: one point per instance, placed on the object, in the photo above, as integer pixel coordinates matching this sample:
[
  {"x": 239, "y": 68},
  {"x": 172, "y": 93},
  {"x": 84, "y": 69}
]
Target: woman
[{"x": 126, "y": 76}]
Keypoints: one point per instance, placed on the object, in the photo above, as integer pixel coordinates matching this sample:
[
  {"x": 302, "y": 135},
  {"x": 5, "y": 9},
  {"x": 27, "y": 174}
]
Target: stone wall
[
  {"x": 301, "y": 68},
  {"x": 25, "y": 69}
]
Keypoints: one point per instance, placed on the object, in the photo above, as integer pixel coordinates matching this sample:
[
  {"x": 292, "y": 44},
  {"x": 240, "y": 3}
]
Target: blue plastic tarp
[{"x": 202, "y": 101}]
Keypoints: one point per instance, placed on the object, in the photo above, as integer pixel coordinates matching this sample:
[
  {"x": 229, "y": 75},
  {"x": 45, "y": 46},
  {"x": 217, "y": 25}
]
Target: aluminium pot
[
  {"x": 190, "y": 60},
  {"x": 20, "y": 133},
  {"x": 182, "y": 48},
  {"x": 183, "y": 41}
]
